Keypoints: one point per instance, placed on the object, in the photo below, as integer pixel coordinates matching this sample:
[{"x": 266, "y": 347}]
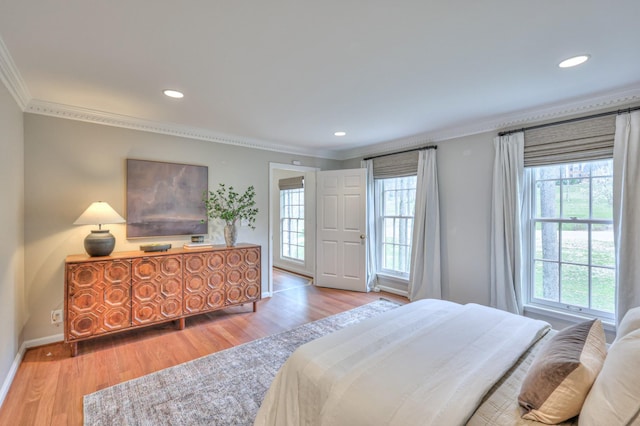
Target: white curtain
[
  {"x": 506, "y": 232},
  {"x": 626, "y": 211},
  {"x": 424, "y": 275},
  {"x": 372, "y": 258}
]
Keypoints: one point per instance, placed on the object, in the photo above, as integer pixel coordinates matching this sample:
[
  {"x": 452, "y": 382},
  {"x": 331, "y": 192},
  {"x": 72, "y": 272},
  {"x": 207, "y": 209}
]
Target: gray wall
[
  {"x": 70, "y": 164},
  {"x": 12, "y": 303},
  {"x": 465, "y": 175}
]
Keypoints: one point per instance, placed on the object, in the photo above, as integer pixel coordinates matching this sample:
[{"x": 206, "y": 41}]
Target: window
[
  {"x": 395, "y": 201},
  {"x": 292, "y": 223},
  {"x": 572, "y": 263}
]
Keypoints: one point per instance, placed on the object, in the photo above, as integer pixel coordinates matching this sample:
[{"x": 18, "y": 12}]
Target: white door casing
[{"x": 341, "y": 224}]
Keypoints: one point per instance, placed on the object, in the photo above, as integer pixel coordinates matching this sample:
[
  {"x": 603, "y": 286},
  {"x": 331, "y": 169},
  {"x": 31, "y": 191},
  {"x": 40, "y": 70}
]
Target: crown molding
[
  {"x": 52, "y": 109},
  {"x": 623, "y": 97},
  {"x": 618, "y": 98},
  {"x": 12, "y": 79}
]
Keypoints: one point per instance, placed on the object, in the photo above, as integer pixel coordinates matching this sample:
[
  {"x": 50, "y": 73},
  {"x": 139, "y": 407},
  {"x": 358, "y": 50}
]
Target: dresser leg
[
  {"x": 181, "y": 324},
  {"x": 255, "y": 306},
  {"x": 74, "y": 348}
]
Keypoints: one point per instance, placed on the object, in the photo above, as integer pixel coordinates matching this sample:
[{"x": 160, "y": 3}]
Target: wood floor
[
  {"x": 284, "y": 280},
  {"x": 49, "y": 385}
]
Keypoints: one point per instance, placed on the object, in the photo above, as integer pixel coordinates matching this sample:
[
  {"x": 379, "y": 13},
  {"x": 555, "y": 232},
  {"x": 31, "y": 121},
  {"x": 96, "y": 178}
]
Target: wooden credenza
[{"x": 127, "y": 290}]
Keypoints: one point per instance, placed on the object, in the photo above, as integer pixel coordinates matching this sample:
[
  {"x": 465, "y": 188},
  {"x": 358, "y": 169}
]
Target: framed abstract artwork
[{"x": 165, "y": 199}]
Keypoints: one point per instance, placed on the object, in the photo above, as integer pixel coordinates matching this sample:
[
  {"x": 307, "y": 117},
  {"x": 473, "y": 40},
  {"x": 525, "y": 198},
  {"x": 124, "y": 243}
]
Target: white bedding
[
  {"x": 500, "y": 406},
  {"x": 428, "y": 362}
]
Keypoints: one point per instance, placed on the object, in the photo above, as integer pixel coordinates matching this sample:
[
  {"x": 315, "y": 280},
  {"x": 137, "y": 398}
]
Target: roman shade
[
  {"x": 583, "y": 140},
  {"x": 291, "y": 183},
  {"x": 396, "y": 165}
]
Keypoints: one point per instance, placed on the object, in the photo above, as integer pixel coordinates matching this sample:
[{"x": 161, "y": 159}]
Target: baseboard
[
  {"x": 6, "y": 385},
  {"x": 294, "y": 270},
  {"x": 12, "y": 373},
  {"x": 44, "y": 341},
  {"x": 391, "y": 290}
]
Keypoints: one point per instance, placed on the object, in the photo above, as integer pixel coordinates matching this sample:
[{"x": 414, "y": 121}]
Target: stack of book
[{"x": 204, "y": 244}]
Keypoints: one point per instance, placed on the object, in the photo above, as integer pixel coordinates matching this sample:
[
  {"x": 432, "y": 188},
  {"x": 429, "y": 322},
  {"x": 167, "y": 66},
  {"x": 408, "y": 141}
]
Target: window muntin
[
  {"x": 292, "y": 223},
  {"x": 396, "y": 206},
  {"x": 571, "y": 222}
]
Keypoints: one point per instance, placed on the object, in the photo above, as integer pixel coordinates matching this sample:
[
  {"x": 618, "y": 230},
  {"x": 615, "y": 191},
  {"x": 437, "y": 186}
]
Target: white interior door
[{"x": 341, "y": 224}]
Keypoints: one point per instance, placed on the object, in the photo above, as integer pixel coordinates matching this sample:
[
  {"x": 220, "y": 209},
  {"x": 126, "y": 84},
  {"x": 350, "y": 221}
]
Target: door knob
[{"x": 362, "y": 236}]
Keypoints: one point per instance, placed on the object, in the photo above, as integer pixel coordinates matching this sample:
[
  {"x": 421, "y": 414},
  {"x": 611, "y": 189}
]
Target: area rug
[{"x": 224, "y": 388}]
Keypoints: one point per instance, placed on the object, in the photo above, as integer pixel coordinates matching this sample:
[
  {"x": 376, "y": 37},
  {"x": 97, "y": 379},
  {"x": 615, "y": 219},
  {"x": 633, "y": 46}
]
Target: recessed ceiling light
[
  {"x": 572, "y": 62},
  {"x": 340, "y": 133},
  {"x": 173, "y": 94}
]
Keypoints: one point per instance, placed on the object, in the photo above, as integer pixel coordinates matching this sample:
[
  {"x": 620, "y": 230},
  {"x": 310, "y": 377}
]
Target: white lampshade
[
  {"x": 99, "y": 242},
  {"x": 99, "y": 213}
]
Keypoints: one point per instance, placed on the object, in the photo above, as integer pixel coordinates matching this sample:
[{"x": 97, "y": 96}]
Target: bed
[{"x": 433, "y": 362}]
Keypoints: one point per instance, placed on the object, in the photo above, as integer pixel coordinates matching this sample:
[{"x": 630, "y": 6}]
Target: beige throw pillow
[{"x": 562, "y": 373}]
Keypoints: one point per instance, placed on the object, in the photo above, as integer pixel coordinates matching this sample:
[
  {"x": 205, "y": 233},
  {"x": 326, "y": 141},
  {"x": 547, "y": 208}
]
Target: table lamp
[{"x": 100, "y": 242}]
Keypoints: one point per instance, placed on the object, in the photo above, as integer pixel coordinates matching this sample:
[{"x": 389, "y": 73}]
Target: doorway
[{"x": 303, "y": 264}]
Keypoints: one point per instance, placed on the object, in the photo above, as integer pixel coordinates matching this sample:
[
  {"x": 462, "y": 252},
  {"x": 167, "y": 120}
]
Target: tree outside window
[{"x": 573, "y": 265}]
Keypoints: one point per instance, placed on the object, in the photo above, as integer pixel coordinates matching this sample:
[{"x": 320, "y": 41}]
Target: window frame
[
  {"x": 379, "y": 222},
  {"x": 529, "y": 246},
  {"x": 283, "y": 217}
]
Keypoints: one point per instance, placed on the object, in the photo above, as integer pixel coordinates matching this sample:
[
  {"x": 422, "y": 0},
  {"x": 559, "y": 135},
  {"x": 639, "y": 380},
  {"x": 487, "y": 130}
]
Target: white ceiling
[{"x": 286, "y": 75}]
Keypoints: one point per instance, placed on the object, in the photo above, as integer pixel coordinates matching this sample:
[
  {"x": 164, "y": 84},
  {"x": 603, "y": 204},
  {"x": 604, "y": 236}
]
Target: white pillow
[
  {"x": 630, "y": 322},
  {"x": 614, "y": 398}
]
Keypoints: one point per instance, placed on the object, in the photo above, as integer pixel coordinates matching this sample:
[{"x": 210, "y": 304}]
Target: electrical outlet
[{"x": 56, "y": 316}]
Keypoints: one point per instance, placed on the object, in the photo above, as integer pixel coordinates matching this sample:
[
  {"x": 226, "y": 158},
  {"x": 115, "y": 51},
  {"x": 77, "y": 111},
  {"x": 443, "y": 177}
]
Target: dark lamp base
[{"x": 99, "y": 242}]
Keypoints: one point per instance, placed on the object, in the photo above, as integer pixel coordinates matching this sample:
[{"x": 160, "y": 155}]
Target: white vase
[{"x": 230, "y": 234}]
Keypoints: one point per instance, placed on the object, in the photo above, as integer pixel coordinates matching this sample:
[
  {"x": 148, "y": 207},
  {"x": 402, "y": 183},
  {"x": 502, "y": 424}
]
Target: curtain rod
[
  {"x": 570, "y": 120},
  {"x": 401, "y": 152}
]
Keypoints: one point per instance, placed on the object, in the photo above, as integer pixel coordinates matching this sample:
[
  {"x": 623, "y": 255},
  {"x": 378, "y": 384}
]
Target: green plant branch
[{"x": 230, "y": 206}]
